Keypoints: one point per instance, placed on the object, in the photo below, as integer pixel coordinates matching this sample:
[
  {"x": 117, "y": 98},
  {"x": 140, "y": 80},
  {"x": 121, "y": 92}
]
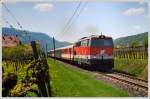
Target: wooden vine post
[
  {"x": 41, "y": 75},
  {"x": 34, "y": 49}
]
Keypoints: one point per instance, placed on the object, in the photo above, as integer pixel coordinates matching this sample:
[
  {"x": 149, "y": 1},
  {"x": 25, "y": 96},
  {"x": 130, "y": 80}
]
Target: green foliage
[
  {"x": 133, "y": 42},
  {"x": 19, "y": 57},
  {"x": 17, "y": 60},
  {"x": 20, "y": 52},
  {"x": 137, "y": 68},
  {"x": 31, "y": 94},
  {"x": 17, "y": 52},
  {"x": 67, "y": 81}
]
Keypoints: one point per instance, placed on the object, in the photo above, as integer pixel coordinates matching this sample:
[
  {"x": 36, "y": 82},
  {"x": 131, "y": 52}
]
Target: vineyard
[
  {"x": 132, "y": 60},
  {"x": 26, "y": 68},
  {"x": 139, "y": 52}
]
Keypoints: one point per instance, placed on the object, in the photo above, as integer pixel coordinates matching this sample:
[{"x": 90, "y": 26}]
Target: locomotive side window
[
  {"x": 78, "y": 44},
  {"x": 85, "y": 43},
  {"x": 88, "y": 42}
]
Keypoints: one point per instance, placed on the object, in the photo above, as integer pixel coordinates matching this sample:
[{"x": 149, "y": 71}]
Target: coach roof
[{"x": 69, "y": 46}]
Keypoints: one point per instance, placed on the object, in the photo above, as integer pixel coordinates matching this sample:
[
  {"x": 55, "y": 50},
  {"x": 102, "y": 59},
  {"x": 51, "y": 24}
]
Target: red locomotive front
[{"x": 95, "y": 51}]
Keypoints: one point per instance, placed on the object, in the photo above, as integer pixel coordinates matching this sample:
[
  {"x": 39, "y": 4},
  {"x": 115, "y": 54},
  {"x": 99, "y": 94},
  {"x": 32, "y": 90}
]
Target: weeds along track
[{"x": 133, "y": 85}]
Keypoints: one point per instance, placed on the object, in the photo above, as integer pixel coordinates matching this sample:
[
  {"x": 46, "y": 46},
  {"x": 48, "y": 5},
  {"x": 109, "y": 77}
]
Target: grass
[
  {"x": 69, "y": 82},
  {"x": 138, "y": 68}
]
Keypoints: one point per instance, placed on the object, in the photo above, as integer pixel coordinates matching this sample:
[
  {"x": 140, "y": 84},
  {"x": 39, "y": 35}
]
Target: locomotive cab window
[
  {"x": 108, "y": 42},
  {"x": 102, "y": 42}
]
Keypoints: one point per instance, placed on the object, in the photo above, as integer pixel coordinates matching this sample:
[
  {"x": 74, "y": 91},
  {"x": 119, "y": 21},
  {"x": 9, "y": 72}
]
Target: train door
[
  {"x": 70, "y": 54},
  {"x": 84, "y": 51},
  {"x": 89, "y": 56},
  {"x": 87, "y": 51},
  {"x": 76, "y": 52}
]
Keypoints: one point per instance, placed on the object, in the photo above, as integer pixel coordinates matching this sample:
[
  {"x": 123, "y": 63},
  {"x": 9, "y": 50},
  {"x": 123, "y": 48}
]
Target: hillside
[
  {"x": 37, "y": 36},
  {"x": 138, "y": 39},
  {"x": 44, "y": 39}
]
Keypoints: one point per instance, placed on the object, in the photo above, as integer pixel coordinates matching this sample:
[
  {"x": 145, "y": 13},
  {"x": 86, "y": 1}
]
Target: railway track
[
  {"x": 130, "y": 81},
  {"x": 136, "y": 86},
  {"x": 132, "y": 78}
]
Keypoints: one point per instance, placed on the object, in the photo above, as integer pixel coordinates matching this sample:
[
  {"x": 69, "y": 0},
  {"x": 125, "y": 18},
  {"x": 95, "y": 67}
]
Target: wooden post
[
  {"x": 54, "y": 46},
  {"x": 34, "y": 49},
  {"x": 46, "y": 51}
]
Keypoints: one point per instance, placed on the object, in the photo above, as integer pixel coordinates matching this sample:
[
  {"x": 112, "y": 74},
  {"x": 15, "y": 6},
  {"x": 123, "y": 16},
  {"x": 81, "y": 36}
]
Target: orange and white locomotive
[{"x": 94, "y": 51}]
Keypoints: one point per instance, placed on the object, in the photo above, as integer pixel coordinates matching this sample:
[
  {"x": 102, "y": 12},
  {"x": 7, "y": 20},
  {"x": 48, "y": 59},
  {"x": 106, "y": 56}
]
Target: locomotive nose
[{"x": 102, "y": 52}]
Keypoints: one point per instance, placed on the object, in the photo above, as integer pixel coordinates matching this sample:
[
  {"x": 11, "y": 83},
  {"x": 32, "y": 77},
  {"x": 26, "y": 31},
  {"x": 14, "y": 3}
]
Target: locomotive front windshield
[{"x": 102, "y": 42}]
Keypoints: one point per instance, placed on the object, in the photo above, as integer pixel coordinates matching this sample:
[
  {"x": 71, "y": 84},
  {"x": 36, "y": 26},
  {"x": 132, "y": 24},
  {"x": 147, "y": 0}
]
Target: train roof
[
  {"x": 69, "y": 46},
  {"x": 83, "y": 38},
  {"x": 94, "y": 36}
]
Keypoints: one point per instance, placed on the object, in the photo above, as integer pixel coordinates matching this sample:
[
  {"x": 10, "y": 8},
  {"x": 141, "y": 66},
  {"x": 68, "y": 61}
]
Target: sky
[{"x": 115, "y": 19}]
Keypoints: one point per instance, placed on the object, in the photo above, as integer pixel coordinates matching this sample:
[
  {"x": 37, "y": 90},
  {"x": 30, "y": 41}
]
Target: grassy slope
[
  {"x": 134, "y": 67},
  {"x": 70, "y": 82}
]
